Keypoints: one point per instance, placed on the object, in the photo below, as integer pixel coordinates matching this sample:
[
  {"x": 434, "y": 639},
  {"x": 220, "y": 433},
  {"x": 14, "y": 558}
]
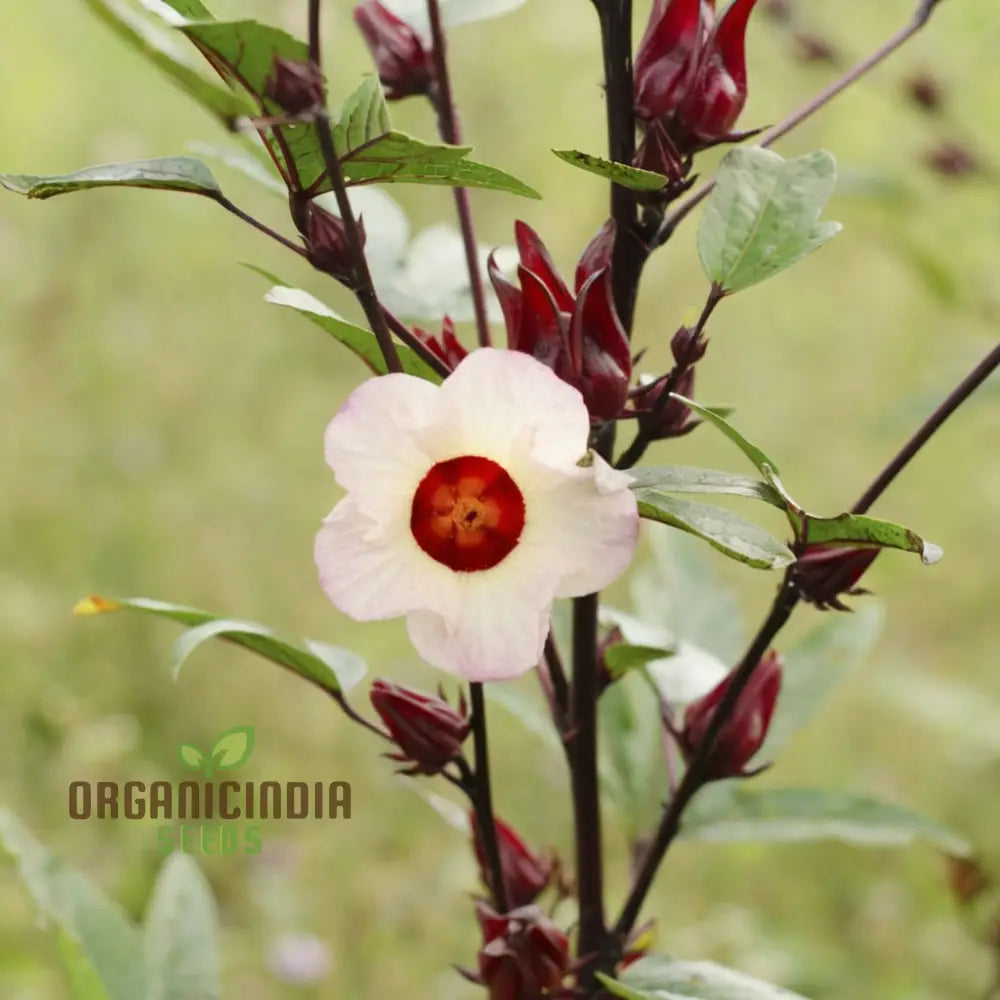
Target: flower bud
[
  {"x": 715, "y": 98},
  {"x": 404, "y": 66},
  {"x": 743, "y": 733},
  {"x": 688, "y": 346},
  {"x": 447, "y": 347},
  {"x": 524, "y": 955},
  {"x": 326, "y": 244},
  {"x": 525, "y": 874},
  {"x": 427, "y": 730},
  {"x": 674, "y": 418},
  {"x": 824, "y": 572},
  {"x": 668, "y": 54},
  {"x": 295, "y": 86}
]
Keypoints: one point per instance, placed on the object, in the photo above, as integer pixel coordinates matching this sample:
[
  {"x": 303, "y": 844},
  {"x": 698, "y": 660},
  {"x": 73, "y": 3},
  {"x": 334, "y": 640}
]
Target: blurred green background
[{"x": 162, "y": 436}]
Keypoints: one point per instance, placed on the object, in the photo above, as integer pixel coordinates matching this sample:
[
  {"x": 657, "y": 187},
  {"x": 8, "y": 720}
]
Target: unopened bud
[
  {"x": 525, "y": 874},
  {"x": 824, "y": 572},
  {"x": 427, "y": 730},
  {"x": 297, "y": 87},
  {"x": 404, "y": 66}
]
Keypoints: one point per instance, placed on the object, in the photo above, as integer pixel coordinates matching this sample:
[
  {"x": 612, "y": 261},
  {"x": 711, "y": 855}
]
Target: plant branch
[
  {"x": 954, "y": 400},
  {"x": 646, "y": 433},
  {"x": 364, "y": 289},
  {"x": 257, "y": 224},
  {"x": 479, "y": 789},
  {"x": 444, "y": 104},
  {"x": 920, "y": 18},
  {"x": 781, "y": 610},
  {"x": 592, "y": 935},
  {"x": 407, "y": 336},
  {"x": 694, "y": 776}
]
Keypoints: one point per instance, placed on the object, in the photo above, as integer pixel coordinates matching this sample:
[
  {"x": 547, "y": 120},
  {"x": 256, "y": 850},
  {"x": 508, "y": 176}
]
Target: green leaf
[
  {"x": 722, "y": 814},
  {"x": 356, "y": 339},
  {"x": 84, "y": 981},
  {"x": 371, "y": 151},
  {"x": 689, "y": 479},
  {"x": 624, "y": 657},
  {"x": 102, "y": 936},
  {"x": 171, "y": 173},
  {"x": 191, "y": 756},
  {"x": 658, "y": 978},
  {"x": 761, "y": 461},
  {"x": 328, "y": 667},
  {"x": 233, "y": 747},
  {"x": 858, "y": 528},
  {"x": 628, "y": 177},
  {"x": 814, "y": 665},
  {"x": 762, "y": 215},
  {"x": 161, "y": 47},
  {"x": 181, "y": 934},
  {"x": 731, "y": 534},
  {"x": 251, "y": 162}
]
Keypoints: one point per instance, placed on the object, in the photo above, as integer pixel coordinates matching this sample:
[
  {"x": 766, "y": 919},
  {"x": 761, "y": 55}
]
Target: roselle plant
[{"x": 485, "y": 485}]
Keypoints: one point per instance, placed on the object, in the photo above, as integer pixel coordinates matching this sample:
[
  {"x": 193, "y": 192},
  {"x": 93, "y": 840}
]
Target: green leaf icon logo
[
  {"x": 191, "y": 756},
  {"x": 233, "y": 747}
]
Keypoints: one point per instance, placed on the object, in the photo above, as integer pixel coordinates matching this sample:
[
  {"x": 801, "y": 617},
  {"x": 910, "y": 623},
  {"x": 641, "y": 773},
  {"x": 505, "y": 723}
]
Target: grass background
[{"x": 161, "y": 436}]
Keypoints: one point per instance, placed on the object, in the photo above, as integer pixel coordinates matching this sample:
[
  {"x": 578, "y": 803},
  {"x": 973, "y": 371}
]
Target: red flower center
[{"x": 467, "y": 513}]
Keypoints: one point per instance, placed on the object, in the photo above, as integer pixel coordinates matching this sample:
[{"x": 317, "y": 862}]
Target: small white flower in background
[
  {"x": 453, "y": 12},
  {"x": 302, "y": 959},
  {"x": 467, "y": 511}
]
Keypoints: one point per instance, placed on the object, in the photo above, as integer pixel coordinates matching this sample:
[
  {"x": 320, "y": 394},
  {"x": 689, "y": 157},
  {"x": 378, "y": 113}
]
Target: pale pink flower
[{"x": 468, "y": 510}]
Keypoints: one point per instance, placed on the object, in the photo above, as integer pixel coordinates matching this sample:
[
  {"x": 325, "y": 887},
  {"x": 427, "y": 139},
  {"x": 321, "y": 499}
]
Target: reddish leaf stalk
[
  {"x": 365, "y": 291},
  {"x": 444, "y": 103}
]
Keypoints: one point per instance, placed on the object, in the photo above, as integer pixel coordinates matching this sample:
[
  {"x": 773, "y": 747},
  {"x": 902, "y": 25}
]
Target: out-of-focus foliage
[{"x": 162, "y": 435}]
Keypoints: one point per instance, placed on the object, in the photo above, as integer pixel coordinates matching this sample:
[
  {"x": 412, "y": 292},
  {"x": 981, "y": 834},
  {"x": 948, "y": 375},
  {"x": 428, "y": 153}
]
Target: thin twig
[
  {"x": 410, "y": 339},
  {"x": 646, "y": 433},
  {"x": 365, "y": 287},
  {"x": 257, "y": 224},
  {"x": 444, "y": 103},
  {"x": 480, "y": 792},
  {"x": 776, "y": 132}
]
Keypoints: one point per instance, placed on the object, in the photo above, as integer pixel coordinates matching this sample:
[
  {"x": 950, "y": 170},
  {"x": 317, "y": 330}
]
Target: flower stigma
[{"x": 467, "y": 513}]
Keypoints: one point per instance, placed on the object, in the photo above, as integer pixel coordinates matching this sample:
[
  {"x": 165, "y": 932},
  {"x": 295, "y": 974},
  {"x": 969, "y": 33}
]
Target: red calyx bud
[
  {"x": 296, "y": 87},
  {"x": 524, "y": 956},
  {"x": 404, "y": 66},
  {"x": 824, "y": 572},
  {"x": 674, "y": 419},
  {"x": 427, "y": 730},
  {"x": 525, "y": 874},
  {"x": 579, "y": 337},
  {"x": 326, "y": 244},
  {"x": 716, "y": 97},
  {"x": 950, "y": 159},
  {"x": 668, "y": 55},
  {"x": 447, "y": 347},
  {"x": 688, "y": 346},
  {"x": 658, "y": 153},
  {"x": 744, "y": 731},
  {"x": 925, "y": 92}
]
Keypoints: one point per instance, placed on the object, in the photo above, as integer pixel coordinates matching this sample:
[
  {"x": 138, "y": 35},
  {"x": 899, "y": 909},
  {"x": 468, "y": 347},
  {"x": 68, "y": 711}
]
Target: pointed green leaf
[
  {"x": 171, "y": 173},
  {"x": 628, "y": 177},
  {"x": 723, "y": 814},
  {"x": 762, "y": 215},
  {"x": 233, "y": 747},
  {"x": 178, "y": 12},
  {"x": 358, "y": 340},
  {"x": 98, "y": 927},
  {"x": 170, "y": 54},
  {"x": 657, "y": 978},
  {"x": 84, "y": 981},
  {"x": 722, "y": 529},
  {"x": 191, "y": 756},
  {"x": 330, "y": 668},
  {"x": 624, "y": 657},
  {"x": 181, "y": 934},
  {"x": 760, "y": 460},
  {"x": 860, "y": 529},
  {"x": 689, "y": 479}
]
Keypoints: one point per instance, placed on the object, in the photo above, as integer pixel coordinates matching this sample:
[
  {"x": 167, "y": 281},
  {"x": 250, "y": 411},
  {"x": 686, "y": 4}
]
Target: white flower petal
[
  {"x": 499, "y": 633},
  {"x": 372, "y": 574},
  {"x": 371, "y": 446},
  {"x": 496, "y": 399},
  {"x": 584, "y": 535},
  {"x": 687, "y": 675}
]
